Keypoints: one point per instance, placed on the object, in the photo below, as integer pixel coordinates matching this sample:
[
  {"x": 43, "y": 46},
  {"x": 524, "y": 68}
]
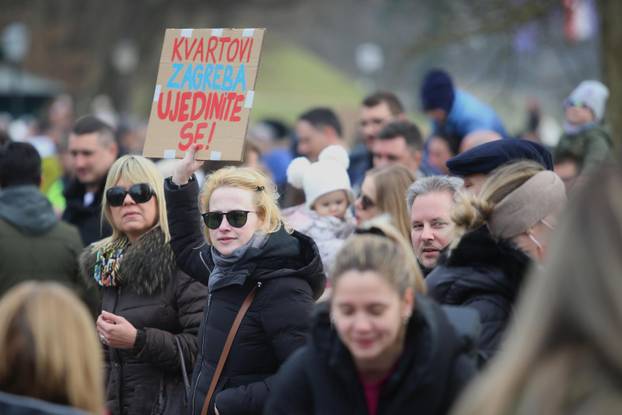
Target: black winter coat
[
  {"x": 322, "y": 379},
  {"x": 484, "y": 274},
  {"x": 163, "y": 304},
  {"x": 289, "y": 276}
]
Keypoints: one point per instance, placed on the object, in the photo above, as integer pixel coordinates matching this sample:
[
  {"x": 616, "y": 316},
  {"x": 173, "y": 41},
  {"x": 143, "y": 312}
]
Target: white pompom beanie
[{"x": 326, "y": 175}]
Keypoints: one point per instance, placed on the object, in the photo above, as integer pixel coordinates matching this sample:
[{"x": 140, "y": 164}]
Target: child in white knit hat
[
  {"x": 585, "y": 139},
  {"x": 326, "y": 216}
]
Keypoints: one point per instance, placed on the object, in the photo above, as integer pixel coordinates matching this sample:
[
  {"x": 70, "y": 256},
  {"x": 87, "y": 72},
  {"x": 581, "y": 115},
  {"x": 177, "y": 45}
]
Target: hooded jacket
[
  {"x": 322, "y": 379},
  {"x": 287, "y": 272},
  {"x": 485, "y": 274},
  {"x": 34, "y": 244},
  {"x": 165, "y": 306}
]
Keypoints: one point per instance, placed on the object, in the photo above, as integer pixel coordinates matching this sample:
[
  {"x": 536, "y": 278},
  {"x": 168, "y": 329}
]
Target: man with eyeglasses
[
  {"x": 399, "y": 142},
  {"x": 430, "y": 201},
  {"x": 92, "y": 149}
]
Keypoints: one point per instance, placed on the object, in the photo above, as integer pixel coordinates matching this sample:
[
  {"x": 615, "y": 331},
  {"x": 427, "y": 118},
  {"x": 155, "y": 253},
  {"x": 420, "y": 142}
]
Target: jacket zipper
[{"x": 196, "y": 384}]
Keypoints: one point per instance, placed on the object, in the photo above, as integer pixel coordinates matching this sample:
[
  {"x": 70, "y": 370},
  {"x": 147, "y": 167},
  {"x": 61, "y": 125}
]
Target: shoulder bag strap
[
  {"x": 184, "y": 372},
  {"x": 227, "y": 348}
]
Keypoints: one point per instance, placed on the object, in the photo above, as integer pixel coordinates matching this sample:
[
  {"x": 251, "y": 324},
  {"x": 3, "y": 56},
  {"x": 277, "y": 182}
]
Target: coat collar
[{"x": 147, "y": 265}]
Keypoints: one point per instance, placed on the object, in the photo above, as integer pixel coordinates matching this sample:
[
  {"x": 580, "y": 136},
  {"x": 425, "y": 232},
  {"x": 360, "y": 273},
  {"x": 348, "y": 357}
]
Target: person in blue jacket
[{"x": 455, "y": 113}]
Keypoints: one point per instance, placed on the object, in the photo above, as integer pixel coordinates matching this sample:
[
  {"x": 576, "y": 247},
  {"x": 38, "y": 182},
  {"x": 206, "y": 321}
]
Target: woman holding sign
[{"x": 262, "y": 280}]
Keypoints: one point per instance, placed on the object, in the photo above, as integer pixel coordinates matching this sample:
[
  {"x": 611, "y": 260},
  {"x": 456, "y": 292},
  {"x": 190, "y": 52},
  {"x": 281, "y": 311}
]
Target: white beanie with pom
[{"x": 328, "y": 174}]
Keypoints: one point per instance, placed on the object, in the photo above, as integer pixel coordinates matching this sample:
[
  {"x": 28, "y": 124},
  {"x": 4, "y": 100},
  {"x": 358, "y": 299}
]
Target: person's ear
[
  {"x": 408, "y": 303},
  {"x": 114, "y": 149},
  {"x": 416, "y": 154}
]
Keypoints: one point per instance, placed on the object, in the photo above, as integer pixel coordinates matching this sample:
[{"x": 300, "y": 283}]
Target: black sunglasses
[
  {"x": 140, "y": 193},
  {"x": 366, "y": 202},
  {"x": 235, "y": 218}
]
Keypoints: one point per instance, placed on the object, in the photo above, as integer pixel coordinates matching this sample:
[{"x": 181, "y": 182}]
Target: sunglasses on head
[
  {"x": 366, "y": 202},
  {"x": 235, "y": 218},
  {"x": 140, "y": 193}
]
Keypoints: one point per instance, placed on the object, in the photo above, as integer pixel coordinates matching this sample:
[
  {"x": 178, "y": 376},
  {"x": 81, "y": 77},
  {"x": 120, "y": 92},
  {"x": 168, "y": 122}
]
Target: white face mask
[
  {"x": 533, "y": 238},
  {"x": 548, "y": 225}
]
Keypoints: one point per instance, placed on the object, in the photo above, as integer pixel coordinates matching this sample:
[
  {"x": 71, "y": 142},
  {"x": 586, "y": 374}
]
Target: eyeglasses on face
[
  {"x": 235, "y": 218},
  {"x": 576, "y": 103},
  {"x": 366, "y": 202},
  {"x": 139, "y": 192}
]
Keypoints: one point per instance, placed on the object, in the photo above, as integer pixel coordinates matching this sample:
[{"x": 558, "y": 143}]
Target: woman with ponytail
[{"x": 504, "y": 230}]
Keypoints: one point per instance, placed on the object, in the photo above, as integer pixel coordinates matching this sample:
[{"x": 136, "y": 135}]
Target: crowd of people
[{"x": 467, "y": 271}]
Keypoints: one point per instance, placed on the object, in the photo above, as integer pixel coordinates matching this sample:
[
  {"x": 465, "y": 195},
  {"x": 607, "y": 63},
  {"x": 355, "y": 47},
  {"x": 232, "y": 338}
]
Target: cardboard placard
[{"x": 204, "y": 93}]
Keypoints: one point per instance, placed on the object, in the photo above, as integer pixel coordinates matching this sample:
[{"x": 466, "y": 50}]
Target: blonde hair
[
  {"x": 253, "y": 180},
  {"x": 48, "y": 347},
  {"x": 563, "y": 346},
  {"x": 472, "y": 211},
  {"x": 135, "y": 169},
  {"x": 392, "y": 183},
  {"x": 378, "y": 246}
]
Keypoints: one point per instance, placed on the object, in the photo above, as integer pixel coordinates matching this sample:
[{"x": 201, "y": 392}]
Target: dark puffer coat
[
  {"x": 486, "y": 275},
  {"x": 162, "y": 303},
  {"x": 322, "y": 379},
  {"x": 288, "y": 273}
]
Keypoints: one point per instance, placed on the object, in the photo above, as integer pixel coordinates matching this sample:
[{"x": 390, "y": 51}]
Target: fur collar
[
  {"x": 146, "y": 268},
  {"x": 479, "y": 248}
]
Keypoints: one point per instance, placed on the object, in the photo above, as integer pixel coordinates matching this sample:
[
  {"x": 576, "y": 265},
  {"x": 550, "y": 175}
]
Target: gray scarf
[{"x": 233, "y": 269}]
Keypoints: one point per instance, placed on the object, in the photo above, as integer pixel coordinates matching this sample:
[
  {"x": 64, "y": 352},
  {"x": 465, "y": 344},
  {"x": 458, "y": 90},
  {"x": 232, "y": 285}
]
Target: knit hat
[
  {"x": 540, "y": 196},
  {"x": 437, "y": 91},
  {"x": 326, "y": 175},
  {"x": 592, "y": 94}
]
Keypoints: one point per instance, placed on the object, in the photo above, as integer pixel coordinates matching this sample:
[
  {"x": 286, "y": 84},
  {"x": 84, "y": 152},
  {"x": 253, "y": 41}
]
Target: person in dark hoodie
[
  {"x": 380, "y": 346},
  {"x": 507, "y": 228},
  {"x": 151, "y": 311},
  {"x": 249, "y": 251},
  {"x": 34, "y": 244}
]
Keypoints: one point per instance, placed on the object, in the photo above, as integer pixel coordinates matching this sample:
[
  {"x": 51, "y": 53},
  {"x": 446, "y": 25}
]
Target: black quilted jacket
[{"x": 289, "y": 276}]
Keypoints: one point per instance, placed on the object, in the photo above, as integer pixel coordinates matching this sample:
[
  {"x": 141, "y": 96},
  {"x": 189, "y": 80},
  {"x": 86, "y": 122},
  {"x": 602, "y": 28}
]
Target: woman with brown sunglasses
[{"x": 384, "y": 192}]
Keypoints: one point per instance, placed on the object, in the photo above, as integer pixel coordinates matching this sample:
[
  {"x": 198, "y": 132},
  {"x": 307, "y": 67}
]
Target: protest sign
[{"x": 204, "y": 93}]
